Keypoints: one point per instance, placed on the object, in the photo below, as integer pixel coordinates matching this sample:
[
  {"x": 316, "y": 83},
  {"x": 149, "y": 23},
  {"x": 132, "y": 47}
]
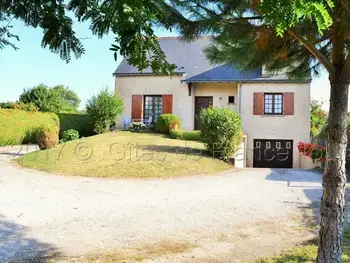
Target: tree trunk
[{"x": 334, "y": 178}]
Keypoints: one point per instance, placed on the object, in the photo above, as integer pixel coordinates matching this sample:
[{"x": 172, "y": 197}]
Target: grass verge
[
  {"x": 126, "y": 154},
  {"x": 307, "y": 253}
]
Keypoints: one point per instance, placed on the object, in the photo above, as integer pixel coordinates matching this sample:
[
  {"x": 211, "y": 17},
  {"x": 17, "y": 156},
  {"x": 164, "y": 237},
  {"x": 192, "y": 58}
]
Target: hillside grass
[
  {"x": 126, "y": 154},
  {"x": 19, "y": 127}
]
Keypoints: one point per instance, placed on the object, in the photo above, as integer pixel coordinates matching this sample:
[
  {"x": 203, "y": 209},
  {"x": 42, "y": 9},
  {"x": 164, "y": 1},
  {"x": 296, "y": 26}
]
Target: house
[{"x": 274, "y": 110}]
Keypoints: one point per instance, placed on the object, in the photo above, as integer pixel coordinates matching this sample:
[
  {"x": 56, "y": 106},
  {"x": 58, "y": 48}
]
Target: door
[
  {"x": 201, "y": 103},
  {"x": 273, "y": 153}
]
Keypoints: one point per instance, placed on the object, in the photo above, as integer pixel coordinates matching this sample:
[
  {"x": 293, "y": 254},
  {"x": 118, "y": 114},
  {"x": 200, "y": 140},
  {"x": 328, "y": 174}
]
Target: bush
[
  {"x": 221, "y": 130},
  {"x": 19, "y": 127},
  {"x": 186, "y": 135},
  {"x": 137, "y": 127},
  {"x": 70, "y": 135},
  {"x": 164, "y": 121},
  {"x": 80, "y": 122},
  {"x": 103, "y": 109},
  {"x": 47, "y": 137},
  {"x": 19, "y": 106}
]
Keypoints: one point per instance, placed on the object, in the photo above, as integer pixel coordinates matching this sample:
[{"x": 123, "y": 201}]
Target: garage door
[{"x": 273, "y": 153}]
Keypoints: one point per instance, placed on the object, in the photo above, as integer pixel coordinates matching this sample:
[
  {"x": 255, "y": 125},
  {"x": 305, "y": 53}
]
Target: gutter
[{"x": 247, "y": 81}]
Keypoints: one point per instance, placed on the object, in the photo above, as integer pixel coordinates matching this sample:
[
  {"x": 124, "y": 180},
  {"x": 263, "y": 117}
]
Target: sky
[{"x": 32, "y": 65}]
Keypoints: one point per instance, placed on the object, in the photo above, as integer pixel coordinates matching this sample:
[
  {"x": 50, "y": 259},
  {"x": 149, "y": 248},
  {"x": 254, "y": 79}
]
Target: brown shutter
[
  {"x": 258, "y": 103},
  {"x": 288, "y": 103},
  {"x": 167, "y": 104},
  {"x": 136, "y": 107}
]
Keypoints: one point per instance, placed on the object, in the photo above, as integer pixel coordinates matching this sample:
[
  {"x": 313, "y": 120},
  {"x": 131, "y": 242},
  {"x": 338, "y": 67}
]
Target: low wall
[{"x": 305, "y": 162}]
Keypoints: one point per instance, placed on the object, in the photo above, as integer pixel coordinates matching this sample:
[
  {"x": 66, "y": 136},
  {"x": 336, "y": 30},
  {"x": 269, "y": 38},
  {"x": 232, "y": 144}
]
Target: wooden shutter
[
  {"x": 167, "y": 104},
  {"x": 258, "y": 103},
  {"x": 136, "y": 107},
  {"x": 288, "y": 103}
]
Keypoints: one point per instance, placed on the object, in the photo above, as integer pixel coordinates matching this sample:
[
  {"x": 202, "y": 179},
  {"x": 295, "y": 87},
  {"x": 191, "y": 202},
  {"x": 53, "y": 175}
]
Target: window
[
  {"x": 231, "y": 99},
  {"x": 273, "y": 103},
  {"x": 152, "y": 107}
]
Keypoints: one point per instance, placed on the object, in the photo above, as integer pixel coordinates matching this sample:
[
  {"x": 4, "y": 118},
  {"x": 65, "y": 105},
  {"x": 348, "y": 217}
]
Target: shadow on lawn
[
  {"x": 15, "y": 246},
  {"x": 185, "y": 150}
]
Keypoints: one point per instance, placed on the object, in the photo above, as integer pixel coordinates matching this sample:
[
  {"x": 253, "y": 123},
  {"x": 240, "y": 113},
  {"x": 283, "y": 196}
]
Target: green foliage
[
  {"x": 6, "y": 37},
  {"x": 80, "y": 122},
  {"x": 221, "y": 130},
  {"x": 284, "y": 14},
  {"x": 137, "y": 127},
  {"x": 18, "y": 106},
  {"x": 46, "y": 137},
  {"x": 164, "y": 122},
  {"x": 186, "y": 135},
  {"x": 46, "y": 99},
  {"x": 318, "y": 118},
  {"x": 19, "y": 127},
  {"x": 103, "y": 109},
  {"x": 69, "y": 135},
  {"x": 69, "y": 99}
]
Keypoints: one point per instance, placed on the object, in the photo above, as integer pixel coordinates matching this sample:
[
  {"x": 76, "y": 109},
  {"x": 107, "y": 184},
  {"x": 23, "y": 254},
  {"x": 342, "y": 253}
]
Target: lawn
[
  {"x": 306, "y": 253},
  {"x": 126, "y": 154}
]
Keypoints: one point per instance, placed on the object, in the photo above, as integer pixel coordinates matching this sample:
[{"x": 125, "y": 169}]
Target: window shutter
[
  {"x": 136, "y": 107},
  {"x": 167, "y": 104},
  {"x": 258, "y": 103},
  {"x": 288, "y": 103}
]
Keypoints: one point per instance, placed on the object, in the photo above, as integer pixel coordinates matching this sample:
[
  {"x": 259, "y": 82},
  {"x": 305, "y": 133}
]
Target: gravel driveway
[{"x": 44, "y": 213}]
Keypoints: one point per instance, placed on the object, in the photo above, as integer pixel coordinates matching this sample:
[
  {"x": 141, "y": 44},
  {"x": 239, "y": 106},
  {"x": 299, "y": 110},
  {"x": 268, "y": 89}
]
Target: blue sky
[{"x": 32, "y": 65}]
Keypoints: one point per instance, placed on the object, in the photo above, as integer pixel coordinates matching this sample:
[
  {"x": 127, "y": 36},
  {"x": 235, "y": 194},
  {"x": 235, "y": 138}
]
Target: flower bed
[{"x": 316, "y": 153}]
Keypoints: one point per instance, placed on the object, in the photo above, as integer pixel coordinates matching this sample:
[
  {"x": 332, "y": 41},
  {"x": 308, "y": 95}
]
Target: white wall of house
[
  {"x": 295, "y": 127},
  {"x": 157, "y": 85},
  {"x": 220, "y": 93}
]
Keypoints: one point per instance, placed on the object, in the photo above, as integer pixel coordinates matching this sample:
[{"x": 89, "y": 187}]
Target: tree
[
  {"x": 69, "y": 99},
  {"x": 131, "y": 21},
  {"x": 300, "y": 36},
  {"x": 318, "y": 118},
  {"x": 103, "y": 110},
  {"x": 43, "y": 98},
  {"x": 56, "y": 99}
]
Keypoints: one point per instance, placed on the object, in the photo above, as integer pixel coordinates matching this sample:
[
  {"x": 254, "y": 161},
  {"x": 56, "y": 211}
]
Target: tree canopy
[{"x": 56, "y": 99}]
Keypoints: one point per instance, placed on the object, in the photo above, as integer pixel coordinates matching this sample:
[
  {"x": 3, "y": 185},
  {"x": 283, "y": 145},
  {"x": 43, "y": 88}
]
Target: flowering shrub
[{"x": 316, "y": 153}]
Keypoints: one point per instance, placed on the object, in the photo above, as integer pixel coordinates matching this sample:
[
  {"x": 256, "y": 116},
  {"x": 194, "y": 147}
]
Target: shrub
[
  {"x": 103, "y": 109},
  {"x": 70, "y": 135},
  {"x": 19, "y": 127},
  {"x": 19, "y": 106},
  {"x": 186, "y": 135},
  {"x": 137, "y": 127},
  {"x": 221, "y": 130},
  {"x": 80, "y": 122},
  {"x": 47, "y": 137},
  {"x": 165, "y": 120}
]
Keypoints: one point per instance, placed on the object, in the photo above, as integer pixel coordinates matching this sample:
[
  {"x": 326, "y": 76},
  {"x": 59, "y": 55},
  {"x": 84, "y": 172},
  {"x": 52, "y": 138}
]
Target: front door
[{"x": 201, "y": 103}]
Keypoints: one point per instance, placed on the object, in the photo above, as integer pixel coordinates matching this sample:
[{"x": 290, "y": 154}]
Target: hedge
[
  {"x": 79, "y": 122},
  {"x": 186, "y": 135},
  {"x": 19, "y": 127}
]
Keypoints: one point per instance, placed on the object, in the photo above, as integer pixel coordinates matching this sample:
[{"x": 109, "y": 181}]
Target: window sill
[{"x": 273, "y": 115}]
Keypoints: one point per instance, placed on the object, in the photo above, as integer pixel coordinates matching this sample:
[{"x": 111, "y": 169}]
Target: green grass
[
  {"x": 307, "y": 253},
  {"x": 18, "y": 126},
  {"x": 126, "y": 154}
]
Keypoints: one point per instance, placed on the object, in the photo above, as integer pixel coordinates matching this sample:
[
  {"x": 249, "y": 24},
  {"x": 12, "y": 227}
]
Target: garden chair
[{"x": 126, "y": 121}]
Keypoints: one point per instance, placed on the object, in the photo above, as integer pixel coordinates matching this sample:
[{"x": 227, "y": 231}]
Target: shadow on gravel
[{"x": 16, "y": 247}]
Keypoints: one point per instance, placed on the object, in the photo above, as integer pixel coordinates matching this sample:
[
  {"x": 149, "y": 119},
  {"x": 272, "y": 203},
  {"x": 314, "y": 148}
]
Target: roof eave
[{"x": 245, "y": 80}]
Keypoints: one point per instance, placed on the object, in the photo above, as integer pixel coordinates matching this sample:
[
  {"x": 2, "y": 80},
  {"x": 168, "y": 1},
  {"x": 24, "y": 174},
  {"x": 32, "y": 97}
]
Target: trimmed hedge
[
  {"x": 80, "y": 122},
  {"x": 20, "y": 127},
  {"x": 164, "y": 121},
  {"x": 222, "y": 131},
  {"x": 186, "y": 135}
]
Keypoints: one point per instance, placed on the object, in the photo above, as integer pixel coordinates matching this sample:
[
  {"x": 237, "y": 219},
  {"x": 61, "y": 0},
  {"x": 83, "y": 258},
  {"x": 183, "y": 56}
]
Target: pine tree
[{"x": 301, "y": 37}]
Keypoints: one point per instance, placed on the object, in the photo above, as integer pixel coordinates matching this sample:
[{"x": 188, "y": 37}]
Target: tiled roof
[{"x": 190, "y": 59}]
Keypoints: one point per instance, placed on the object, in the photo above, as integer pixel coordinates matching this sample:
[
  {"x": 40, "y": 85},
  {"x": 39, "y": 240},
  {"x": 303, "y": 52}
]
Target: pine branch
[{"x": 314, "y": 51}]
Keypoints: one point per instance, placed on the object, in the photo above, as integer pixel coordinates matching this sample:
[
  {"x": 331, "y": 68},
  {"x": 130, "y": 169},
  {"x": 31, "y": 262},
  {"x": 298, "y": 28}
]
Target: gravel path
[{"x": 77, "y": 215}]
